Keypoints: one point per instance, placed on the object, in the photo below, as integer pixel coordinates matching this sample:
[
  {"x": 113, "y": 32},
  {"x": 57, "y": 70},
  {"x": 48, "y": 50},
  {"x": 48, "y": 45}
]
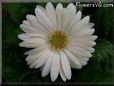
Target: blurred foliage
[
  {"x": 15, "y": 69},
  {"x": 103, "y": 19}
]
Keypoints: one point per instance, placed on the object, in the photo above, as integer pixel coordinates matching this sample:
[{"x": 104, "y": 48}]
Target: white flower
[{"x": 60, "y": 38}]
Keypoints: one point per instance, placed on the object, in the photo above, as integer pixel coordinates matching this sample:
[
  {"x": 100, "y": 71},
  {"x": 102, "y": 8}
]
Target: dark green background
[{"x": 15, "y": 69}]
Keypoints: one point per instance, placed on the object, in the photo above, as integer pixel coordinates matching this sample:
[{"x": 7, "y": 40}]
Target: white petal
[
  {"x": 72, "y": 64},
  {"x": 94, "y": 37},
  {"x": 35, "y": 40},
  {"x": 27, "y": 23},
  {"x": 81, "y": 40},
  {"x": 89, "y": 25},
  {"x": 51, "y": 14},
  {"x": 85, "y": 20},
  {"x": 84, "y": 38},
  {"x": 43, "y": 19},
  {"x": 68, "y": 15},
  {"x": 41, "y": 26},
  {"x": 80, "y": 51},
  {"x": 32, "y": 43},
  {"x": 82, "y": 24},
  {"x": 33, "y": 57},
  {"x": 78, "y": 28},
  {"x": 36, "y": 50},
  {"x": 74, "y": 59},
  {"x": 86, "y": 42},
  {"x": 82, "y": 60},
  {"x": 27, "y": 29},
  {"x": 91, "y": 50},
  {"x": 84, "y": 46},
  {"x": 28, "y": 45},
  {"x": 85, "y": 32},
  {"x": 47, "y": 66},
  {"x": 59, "y": 14},
  {"x": 76, "y": 19},
  {"x": 55, "y": 68},
  {"x": 23, "y": 36},
  {"x": 65, "y": 65},
  {"x": 34, "y": 21},
  {"x": 40, "y": 61},
  {"x": 41, "y": 8},
  {"x": 91, "y": 43},
  {"x": 62, "y": 74}
]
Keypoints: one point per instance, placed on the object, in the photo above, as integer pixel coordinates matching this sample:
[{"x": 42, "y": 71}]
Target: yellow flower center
[{"x": 57, "y": 40}]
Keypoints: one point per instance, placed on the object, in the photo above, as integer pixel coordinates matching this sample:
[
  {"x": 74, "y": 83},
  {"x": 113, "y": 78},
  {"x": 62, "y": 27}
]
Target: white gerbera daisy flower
[{"x": 60, "y": 38}]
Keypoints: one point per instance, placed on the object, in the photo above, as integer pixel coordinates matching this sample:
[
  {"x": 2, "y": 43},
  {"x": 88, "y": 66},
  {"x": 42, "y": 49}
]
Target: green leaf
[
  {"x": 104, "y": 50},
  {"x": 13, "y": 9},
  {"x": 18, "y": 11},
  {"x": 103, "y": 19},
  {"x": 9, "y": 33}
]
